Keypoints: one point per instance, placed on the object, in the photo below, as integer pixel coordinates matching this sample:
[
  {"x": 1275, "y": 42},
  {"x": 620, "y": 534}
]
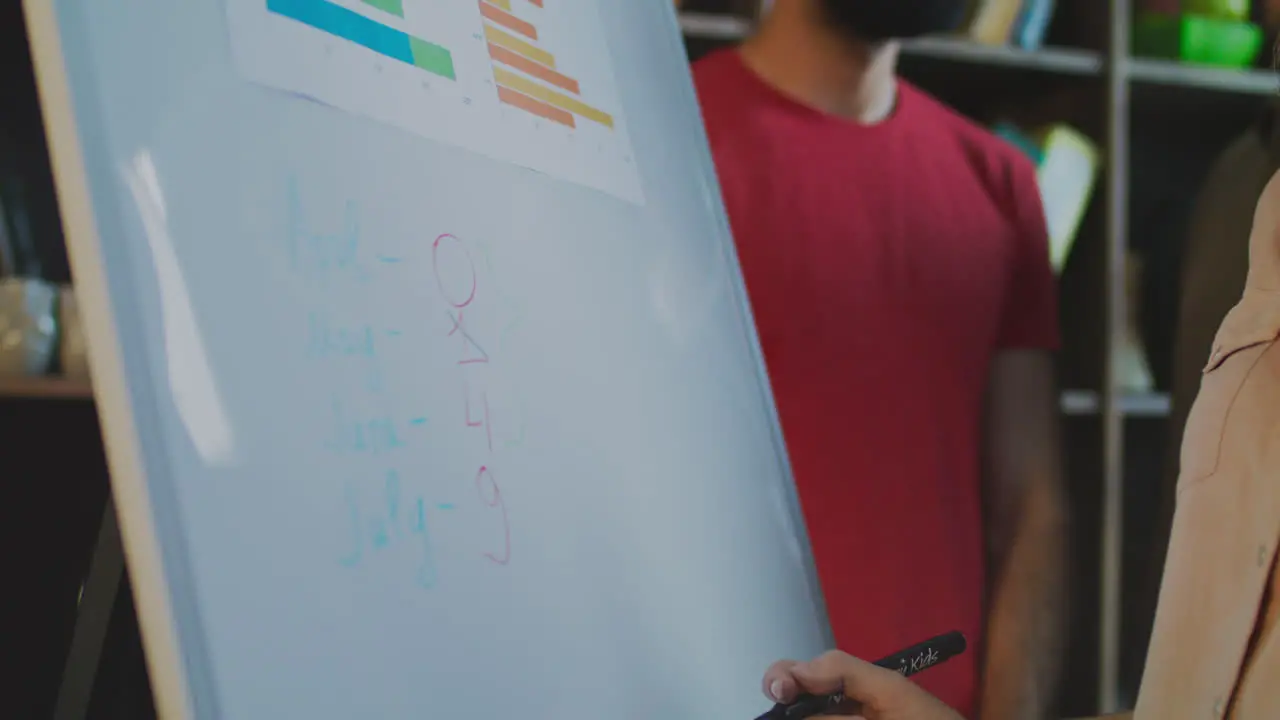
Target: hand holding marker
[{"x": 908, "y": 662}]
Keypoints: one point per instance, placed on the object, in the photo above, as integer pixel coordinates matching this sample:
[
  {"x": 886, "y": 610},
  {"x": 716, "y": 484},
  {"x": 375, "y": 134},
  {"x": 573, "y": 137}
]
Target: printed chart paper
[{"x": 528, "y": 82}]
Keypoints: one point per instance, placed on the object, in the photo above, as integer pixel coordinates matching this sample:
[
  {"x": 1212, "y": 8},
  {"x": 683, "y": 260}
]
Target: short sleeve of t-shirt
[{"x": 1029, "y": 319}]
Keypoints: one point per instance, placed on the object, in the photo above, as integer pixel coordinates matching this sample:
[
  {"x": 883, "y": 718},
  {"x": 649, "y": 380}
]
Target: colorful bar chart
[
  {"x": 353, "y": 27},
  {"x": 526, "y": 74}
]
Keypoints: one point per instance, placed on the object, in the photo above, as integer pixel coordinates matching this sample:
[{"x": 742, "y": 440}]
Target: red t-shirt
[{"x": 887, "y": 264}]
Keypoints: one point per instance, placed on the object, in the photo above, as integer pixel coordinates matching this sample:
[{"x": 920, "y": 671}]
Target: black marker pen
[{"x": 914, "y": 659}]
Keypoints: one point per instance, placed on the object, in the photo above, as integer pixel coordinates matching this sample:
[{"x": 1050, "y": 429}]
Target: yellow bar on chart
[
  {"x": 516, "y": 45},
  {"x": 524, "y": 85},
  {"x": 504, "y": 4}
]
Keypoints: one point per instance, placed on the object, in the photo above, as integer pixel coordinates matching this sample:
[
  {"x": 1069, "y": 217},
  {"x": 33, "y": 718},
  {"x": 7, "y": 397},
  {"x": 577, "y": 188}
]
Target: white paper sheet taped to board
[{"x": 528, "y": 82}]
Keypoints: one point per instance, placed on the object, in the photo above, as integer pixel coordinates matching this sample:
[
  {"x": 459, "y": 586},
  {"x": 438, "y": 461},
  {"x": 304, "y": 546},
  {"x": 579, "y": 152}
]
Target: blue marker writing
[{"x": 316, "y": 254}]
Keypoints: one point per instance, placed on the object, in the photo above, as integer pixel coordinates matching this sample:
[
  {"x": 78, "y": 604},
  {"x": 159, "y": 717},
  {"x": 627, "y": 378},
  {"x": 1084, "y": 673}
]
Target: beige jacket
[
  {"x": 1215, "y": 650},
  {"x": 1215, "y": 263}
]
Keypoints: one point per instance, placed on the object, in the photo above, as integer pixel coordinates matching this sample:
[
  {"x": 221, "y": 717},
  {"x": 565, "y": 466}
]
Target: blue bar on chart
[{"x": 383, "y": 39}]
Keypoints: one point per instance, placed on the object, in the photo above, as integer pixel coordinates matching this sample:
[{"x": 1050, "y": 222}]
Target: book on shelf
[
  {"x": 1022, "y": 23},
  {"x": 1067, "y": 166}
]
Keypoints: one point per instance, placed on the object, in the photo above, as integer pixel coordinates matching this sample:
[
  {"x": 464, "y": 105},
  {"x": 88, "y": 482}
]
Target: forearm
[{"x": 1027, "y": 613}]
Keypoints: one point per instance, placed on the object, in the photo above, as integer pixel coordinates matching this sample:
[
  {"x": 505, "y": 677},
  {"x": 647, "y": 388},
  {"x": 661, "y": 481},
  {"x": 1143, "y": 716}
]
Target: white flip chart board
[{"x": 427, "y": 374}]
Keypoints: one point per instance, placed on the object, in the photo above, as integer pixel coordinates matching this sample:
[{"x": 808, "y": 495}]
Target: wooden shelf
[
  {"x": 1055, "y": 60},
  {"x": 1077, "y": 403},
  {"x": 1067, "y": 61},
  {"x": 44, "y": 388},
  {"x": 714, "y": 27},
  {"x": 1174, "y": 74}
]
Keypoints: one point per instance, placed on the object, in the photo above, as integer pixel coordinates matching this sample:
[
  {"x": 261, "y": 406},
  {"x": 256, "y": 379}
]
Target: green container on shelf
[
  {"x": 1221, "y": 9},
  {"x": 1197, "y": 39}
]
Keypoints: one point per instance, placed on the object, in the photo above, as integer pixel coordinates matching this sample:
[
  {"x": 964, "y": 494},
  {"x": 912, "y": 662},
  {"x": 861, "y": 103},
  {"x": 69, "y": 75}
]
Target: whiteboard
[{"x": 424, "y": 363}]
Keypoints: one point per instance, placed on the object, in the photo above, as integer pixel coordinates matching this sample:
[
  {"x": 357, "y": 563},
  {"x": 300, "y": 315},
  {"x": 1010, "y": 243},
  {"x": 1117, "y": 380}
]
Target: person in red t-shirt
[{"x": 896, "y": 257}]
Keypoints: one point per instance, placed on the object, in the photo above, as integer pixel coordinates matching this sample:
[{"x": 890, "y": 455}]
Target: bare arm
[{"x": 1026, "y": 528}]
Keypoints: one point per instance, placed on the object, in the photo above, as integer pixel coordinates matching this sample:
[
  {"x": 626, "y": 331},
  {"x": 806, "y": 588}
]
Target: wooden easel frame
[
  {"x": 133, "y": 530},
  {"x": 95, "y": 608}
]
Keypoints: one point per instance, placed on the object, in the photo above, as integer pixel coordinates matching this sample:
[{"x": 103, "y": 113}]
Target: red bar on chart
[
  {"x": 529, "y": 67},
  {"x": 529, "y": 105}
]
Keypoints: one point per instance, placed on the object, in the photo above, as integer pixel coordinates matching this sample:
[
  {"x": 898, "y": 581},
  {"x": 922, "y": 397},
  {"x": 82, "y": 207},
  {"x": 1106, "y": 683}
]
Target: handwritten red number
[
  {"x": 486, "y": 486},
  {"x": 483, "y": 420},
  {"x": 459, "y": 326},
  {"x": 471, "y": 268},
  {"x": 493, "y": 498},
  {"x": 467, "y": 340}
]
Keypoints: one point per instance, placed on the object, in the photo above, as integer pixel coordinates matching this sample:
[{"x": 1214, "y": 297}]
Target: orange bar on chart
[
  {"x": 529, "y": 67},
  {"x": 528, "y": 104},
  {"x": 551, "y": 97},
  {"x": 507, "y": 20},
  {"x": 502, "y": 38},
  {"x": 536, "y": 2}
]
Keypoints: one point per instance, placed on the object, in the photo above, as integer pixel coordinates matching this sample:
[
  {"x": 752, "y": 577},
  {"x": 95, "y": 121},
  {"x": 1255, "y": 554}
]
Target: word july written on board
[{"x": 382, "y": 510}]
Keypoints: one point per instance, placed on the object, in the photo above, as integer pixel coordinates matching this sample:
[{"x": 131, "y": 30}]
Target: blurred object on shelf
[
  {"x": 991, "y": 22},
  {"x": 28, "y": 326},
  {"x": 1133, "y": 371},
  {"x": 32, "y": 228},
  {"x": 1067, "y": 165},
  {"x": 1268, "y": 14},
  {"x": 8, "y": 261},
  {"x": 18, "y": 253},
  {"x": 72, "y": 348},
  {"x": 1066, "y": 176},
  {"x": 1221, "y": 9},
  {"x": 28, "y": 304},
  {"x": 1020, "y": 23},
  {"x": 1024, "y": 142},
  {"x": 1197, "y": 39},
  {"x": 1033, "y": 23}
]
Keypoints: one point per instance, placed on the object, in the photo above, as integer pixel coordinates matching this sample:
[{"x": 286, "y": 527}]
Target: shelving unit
[
  {"x": 1243, "y": 82},
  {"x": 1066, "y": 61},
  {"x": 1110, "y": 431},
  {"x": 17, "y": 387}
]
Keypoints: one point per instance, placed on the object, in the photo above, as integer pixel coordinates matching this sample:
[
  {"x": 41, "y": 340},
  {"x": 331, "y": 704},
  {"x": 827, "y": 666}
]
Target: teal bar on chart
[{"x": 383, "y": 39}]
